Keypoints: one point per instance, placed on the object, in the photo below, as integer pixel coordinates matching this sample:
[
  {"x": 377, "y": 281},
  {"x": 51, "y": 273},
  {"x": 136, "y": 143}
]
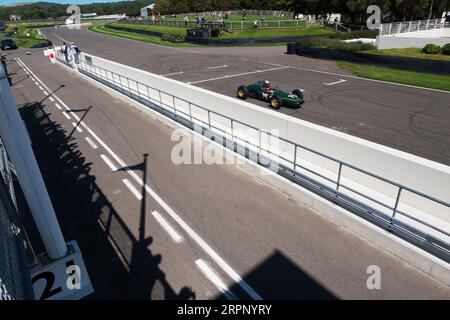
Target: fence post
[{"x": 396, "y": 205}]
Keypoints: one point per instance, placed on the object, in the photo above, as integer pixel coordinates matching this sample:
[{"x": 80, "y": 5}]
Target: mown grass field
[
  {"x": 26, "y": 37},
  {"x": 138, "y": 37},
  {"x": 259, "y": 33},
  {"x": 441, "y": 82}
]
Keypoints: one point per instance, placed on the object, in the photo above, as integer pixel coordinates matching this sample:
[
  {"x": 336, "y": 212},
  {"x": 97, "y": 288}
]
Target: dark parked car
[{"x": 8, "y": 44}]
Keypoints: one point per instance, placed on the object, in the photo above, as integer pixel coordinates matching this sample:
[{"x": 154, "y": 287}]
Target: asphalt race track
[
  {"x": 410, "y": 119},
  {"x": 151, "y": 229}
]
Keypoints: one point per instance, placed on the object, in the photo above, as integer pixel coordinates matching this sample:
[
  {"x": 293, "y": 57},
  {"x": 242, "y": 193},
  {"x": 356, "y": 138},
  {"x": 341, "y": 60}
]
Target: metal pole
[
  {"x": 17, "y": 142},
  {"x": 397, "y": 201}
]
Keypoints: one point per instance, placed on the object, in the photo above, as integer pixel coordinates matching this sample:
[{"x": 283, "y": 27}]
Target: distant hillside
[{"x": 45, "y": 10}]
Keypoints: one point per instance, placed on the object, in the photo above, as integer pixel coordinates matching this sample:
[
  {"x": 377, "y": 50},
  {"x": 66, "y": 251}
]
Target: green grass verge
[
  {"x": 138, "y": 37},
  {"x": 409, "y": 53},
  {"x": 441, "y": 82},
  {"x": 26, "y": 38},
  {"x": 261, "y": 33}
]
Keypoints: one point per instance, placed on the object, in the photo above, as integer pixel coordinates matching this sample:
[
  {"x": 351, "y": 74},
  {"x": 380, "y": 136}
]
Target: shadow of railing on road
[{"x": 120, "y": 265}]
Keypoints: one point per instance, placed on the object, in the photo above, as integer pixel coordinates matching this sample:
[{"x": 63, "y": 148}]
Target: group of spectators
[
  {"x": 71, "y": 52},
  {"x": 219, "y": 17}
]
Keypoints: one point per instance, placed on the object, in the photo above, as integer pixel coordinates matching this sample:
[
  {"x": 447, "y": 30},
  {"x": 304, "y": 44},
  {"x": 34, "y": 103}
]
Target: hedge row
[{"x": 334, "y": 44}]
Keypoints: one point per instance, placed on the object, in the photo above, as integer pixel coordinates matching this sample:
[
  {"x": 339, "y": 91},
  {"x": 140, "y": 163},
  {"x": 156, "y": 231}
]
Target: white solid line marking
[
  {"x": 91, "y": 143},
  {"x": 200, "y": 242},
  {"x": 58, "y": 106},
  {"x": 239, "y": 74},
  {"x": 214, "y": 278},
  {"x": 172, "y": 74},
  {"x": 219, "y": 67},
  {"x": 133, "y": 190},
  {"x": 333, "y": 83},
  {"x": 51, "y": 99},
  {"x": 173, "y": 234},
  {"x": 108, "y": 162},
  {"x": 270, "y": 64},
  {"x": 66, "y": 115},
  {"x": 77, "y": 127}
]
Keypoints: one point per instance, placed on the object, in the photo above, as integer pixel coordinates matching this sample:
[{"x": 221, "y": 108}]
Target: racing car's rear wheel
[
  {"x": 298, "y": 93},
  {"x": 276, "y": 102},
  {"x": 242, "y": 92}
]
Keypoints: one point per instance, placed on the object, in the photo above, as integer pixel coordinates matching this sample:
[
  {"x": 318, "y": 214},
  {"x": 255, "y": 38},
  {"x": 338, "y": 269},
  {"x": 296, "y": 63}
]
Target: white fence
[
  {"x": 233, "y": 25},
  {"x": 271, "y": 13},
  {"x": 411, "y": 26}
]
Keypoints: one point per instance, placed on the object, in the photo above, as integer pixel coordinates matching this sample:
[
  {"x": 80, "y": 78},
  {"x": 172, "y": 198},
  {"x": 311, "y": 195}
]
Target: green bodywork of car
[{"x": 275, "y": 97}]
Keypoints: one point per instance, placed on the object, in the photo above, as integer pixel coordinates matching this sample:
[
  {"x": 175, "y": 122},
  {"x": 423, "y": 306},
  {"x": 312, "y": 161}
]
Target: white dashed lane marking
[
  {"x": 166, "y": 226},
  {"x": 133, "y": 190},
  {"x": 77, "y": 127},
  {"x": 108, "y": 162},
  {"x": 214, "y": 278},
  {"x": 337, "y": 82},
  {"x": 91, "y": 143},
  {"x": 66, "y": 115}
]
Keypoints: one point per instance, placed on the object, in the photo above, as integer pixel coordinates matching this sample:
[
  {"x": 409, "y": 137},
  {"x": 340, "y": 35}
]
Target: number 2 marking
[{"x": 49, "y": 278}]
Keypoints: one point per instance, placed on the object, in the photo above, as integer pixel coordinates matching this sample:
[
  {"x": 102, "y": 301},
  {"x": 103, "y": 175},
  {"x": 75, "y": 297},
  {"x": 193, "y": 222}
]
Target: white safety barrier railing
[
  {"x": 231, "y": 25},
  {"x": 411, "y": 26},
  {"x": 394, "y": 207}
]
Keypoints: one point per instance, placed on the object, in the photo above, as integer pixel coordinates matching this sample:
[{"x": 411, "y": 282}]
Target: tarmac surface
[
  {"x": 410, "y": 119},
  {"x": 151, "y": 229}
]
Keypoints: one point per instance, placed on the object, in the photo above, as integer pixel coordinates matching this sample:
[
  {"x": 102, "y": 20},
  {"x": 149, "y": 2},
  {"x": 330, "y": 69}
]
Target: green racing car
[{"x": 277, "y": 98}]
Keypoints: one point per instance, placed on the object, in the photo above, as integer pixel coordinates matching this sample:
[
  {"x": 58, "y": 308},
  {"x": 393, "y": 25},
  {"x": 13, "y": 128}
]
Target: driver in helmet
[{"x": 266, "y": 89}]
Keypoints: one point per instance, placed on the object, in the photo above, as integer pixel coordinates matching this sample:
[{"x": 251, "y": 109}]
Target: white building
[
  {"x": 144, "y": 10},
  {"x": 15, "y": 17}
]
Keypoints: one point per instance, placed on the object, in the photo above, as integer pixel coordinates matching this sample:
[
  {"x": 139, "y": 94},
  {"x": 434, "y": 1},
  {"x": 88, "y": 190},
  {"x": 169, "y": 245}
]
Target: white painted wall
[
  {"x": 426, "y": 176},
  {"x": 390, "y": 42}
]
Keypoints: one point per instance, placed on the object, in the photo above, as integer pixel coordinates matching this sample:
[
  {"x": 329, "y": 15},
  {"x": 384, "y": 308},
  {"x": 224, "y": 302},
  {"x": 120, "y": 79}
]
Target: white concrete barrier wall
[
  {"x": 390, "y": 42},
  {"x": 420, "y": 174}
]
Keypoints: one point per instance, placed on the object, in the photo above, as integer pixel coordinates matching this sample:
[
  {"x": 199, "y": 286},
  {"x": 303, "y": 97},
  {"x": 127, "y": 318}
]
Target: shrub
[
  {"x": 334, "y": 44},
  {"x": 431, "y": 49},
  {"x": 372, "y": 34},
  {"x": 446, "y": 49},
  {"x": 175, "y": 38}
]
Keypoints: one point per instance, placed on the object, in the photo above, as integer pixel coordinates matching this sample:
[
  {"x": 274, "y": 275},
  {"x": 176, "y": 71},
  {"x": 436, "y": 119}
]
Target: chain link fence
[{"x": 15, "y": 281}]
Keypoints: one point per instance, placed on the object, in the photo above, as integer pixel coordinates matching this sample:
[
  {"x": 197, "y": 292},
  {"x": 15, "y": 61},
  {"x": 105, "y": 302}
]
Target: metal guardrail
[
  {"x": 411, "y": 26},
  {"x": 385, "y": 215}
]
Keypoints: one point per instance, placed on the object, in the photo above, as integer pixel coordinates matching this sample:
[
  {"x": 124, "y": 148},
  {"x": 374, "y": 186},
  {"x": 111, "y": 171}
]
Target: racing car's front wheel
[
  {"x": 242, "y": 92},
  {"x": 276, "y": 102},
  {"x": 298, "y": 93}
]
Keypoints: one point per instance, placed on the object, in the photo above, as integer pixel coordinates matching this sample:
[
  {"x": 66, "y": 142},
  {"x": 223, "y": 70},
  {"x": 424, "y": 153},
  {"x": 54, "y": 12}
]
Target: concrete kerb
[{"x": 416, "y": 257}]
